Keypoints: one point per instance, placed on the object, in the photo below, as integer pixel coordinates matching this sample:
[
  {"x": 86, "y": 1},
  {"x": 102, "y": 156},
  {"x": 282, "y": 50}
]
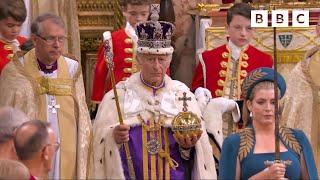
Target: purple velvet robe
[{"x": 135, "y": 146}]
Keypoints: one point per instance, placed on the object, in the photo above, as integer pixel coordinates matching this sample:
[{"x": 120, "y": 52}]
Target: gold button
[
  {"x": 128, "y": 41},
  {"x": 244, "y": 73},
  {"x": 225, "y": 55},
  {"x": 157, "y": 102},
  {"x": 221, "y": 82},
  {"x": 8, "y": 47},
  {"x": 244, "y": 64},
  {"x": 10, "y": 56},
  {"x": 128, "y": 60},
  {"x": 245, "y": 56},
  {"x": 218, "y": 92},
  {"x": 223, "y": 73},
  {"x": 128, "y": 50},
  {"x": 224, "y": 64},
  {"x": 127, "y": 70}
]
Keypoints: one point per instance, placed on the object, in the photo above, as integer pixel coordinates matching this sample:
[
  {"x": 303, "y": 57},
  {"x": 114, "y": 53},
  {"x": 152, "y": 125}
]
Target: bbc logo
[{"x": 280, "y": 18}]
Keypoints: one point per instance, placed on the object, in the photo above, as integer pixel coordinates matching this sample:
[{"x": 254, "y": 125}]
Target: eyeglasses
[
  {"x": 56, "y": 145},
  {"x": 53, "y": 39}
]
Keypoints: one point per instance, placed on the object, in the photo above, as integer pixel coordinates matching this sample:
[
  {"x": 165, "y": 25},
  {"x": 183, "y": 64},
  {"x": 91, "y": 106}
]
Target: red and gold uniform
[
  {"x": 222, "y": 75},
  {"x": 7, "y": 50},
  {"x": 222, "y": 71},
  {"x": 124, "y": 62}
]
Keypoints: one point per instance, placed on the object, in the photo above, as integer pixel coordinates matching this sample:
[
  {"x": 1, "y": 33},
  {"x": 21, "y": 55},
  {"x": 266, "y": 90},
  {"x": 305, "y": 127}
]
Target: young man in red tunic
[
  {"x": 12, "y": 14},
  {"x": 123, "y": 43},
  {"x": 222, "y": 69}
]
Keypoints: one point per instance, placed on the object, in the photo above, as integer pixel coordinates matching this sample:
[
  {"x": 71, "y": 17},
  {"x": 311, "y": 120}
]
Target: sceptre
[{"x": 109, "y": 60}]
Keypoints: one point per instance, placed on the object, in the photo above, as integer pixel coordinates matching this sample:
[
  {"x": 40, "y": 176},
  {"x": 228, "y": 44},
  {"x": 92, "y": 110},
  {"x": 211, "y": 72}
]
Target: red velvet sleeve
[{"x": 100, "y": 75}]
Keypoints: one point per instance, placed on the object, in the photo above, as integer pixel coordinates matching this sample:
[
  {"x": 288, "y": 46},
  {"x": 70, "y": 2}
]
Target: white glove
[
  {"x": 226, "y": 105},
  {"x": 213, "y": 112},
  {"x": 203, "y": 96}
]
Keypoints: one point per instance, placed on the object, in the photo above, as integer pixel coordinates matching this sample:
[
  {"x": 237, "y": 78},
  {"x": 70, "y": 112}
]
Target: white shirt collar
[
  {"x": 235, "y": 50},
  {"x": 131, "y": 32}
]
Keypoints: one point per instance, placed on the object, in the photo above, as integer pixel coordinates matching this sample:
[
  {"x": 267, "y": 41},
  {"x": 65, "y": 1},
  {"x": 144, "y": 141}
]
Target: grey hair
[
  {"x": 10, "y": 119},
  {"x": 27, "y": 146},
  {"x": 36, "y": 27}
]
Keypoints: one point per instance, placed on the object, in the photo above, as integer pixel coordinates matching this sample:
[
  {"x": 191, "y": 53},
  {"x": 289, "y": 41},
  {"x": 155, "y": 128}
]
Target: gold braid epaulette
[
  {"x": 290, "y": 140},
  {"x": 247, "y": 141}
]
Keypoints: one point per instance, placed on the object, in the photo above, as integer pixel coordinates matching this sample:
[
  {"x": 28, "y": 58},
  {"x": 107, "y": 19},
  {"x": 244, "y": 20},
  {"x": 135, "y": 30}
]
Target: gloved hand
[
  {"x": 203, "y": 96},
  {"x": 226, "y": 105}
]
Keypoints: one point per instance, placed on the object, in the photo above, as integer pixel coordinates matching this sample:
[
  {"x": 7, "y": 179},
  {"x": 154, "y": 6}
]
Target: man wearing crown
[
  {"x": 149, "y": 102},
  {"x": 123, "y": 43}
]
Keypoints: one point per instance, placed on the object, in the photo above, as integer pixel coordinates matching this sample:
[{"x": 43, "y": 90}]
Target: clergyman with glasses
[{"x": 47, "y": 85}]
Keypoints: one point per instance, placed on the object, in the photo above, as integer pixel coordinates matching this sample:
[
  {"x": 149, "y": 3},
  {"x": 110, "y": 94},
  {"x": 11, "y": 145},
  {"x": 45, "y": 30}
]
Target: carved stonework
[
  {"x": 95, "y": 17},
  {"x": 90, "y": 65}
]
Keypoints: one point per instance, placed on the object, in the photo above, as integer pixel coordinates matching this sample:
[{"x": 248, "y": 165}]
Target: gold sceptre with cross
[
  {"x": 186, "y": 123},
  {"x": 109, "y": 59}
]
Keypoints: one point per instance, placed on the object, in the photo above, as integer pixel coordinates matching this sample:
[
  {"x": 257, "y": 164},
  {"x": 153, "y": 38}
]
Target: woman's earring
[{"x": 250, "y": 114}]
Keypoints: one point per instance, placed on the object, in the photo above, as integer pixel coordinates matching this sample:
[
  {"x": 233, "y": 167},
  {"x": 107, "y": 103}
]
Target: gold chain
[{"x": 149, "y": 128}]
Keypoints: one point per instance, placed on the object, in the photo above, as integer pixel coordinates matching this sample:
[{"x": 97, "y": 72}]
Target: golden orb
[{"x": 186, "y": 123}]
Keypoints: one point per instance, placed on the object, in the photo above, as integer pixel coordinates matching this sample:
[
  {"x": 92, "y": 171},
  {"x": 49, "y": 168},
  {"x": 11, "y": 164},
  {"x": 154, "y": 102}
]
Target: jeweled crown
[{"x": 154, "y": 37}]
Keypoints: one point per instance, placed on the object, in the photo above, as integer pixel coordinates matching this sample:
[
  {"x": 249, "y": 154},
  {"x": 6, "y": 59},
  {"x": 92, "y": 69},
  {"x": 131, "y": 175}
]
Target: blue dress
[
  {"x": 254, "y": 163},
  {"x": 241, "y": 145}
]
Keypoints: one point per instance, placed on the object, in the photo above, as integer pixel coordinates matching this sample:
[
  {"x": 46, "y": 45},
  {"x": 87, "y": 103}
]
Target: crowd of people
[{"x": 231, "y": 130}]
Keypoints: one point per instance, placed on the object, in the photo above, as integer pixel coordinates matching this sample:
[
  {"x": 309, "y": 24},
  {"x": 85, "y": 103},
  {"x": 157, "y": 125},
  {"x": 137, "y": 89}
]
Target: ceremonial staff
[
  {"x": 109, "y": 59},
  {"x": 276, "y": 95}
]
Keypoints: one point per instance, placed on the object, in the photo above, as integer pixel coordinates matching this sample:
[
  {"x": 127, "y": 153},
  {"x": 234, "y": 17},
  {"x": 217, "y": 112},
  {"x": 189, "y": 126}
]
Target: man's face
[
  {"x": 50, "y": 43},
  {"x": 52, "y": 149},
  {"x": 136, "y": 13},
  {"x": 10, "y": 28},
  {"x": 240, "y": 31},
  {"x": 154, "y": 67}
]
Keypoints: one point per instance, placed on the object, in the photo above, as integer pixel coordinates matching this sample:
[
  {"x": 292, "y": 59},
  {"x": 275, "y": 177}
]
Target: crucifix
[
  {"x": 53, "y": 106},
  {"x": 185, "y": 99}
]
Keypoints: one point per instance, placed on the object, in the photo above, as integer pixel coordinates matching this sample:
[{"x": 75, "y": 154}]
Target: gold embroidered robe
[
  {"x": 23, "y": 87},
  {"x": 302, "y": 100}
]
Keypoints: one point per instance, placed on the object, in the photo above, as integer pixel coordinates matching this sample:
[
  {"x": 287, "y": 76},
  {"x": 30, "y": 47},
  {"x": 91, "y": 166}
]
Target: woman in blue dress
[{"x": 250, "y": 153}]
